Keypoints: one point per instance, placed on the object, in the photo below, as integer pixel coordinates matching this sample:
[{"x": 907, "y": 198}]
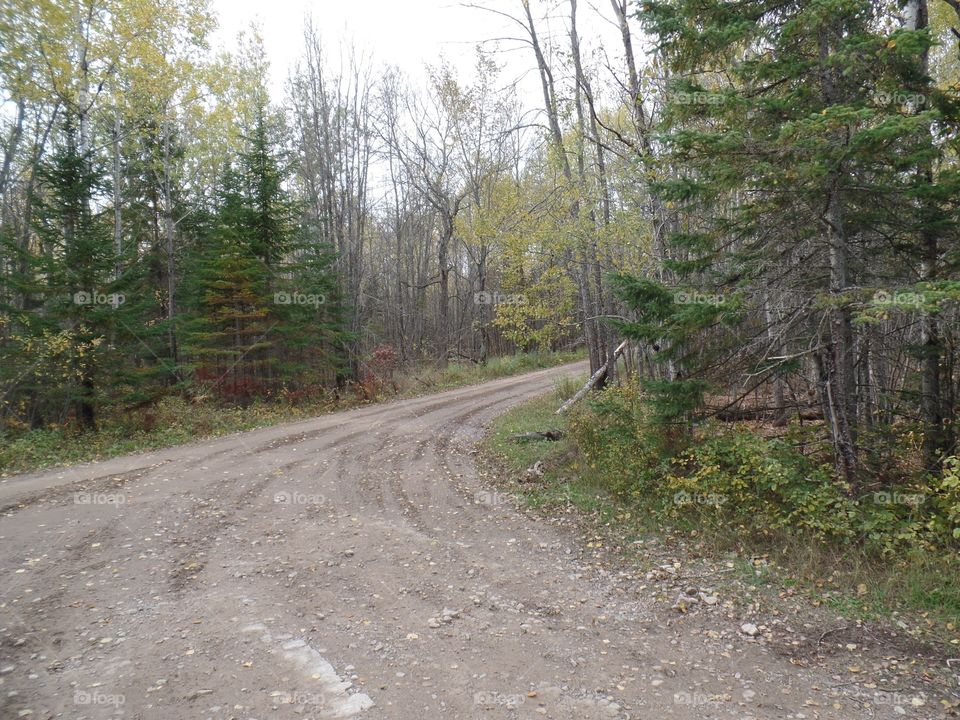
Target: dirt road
[{"x": 353, "y": 565}]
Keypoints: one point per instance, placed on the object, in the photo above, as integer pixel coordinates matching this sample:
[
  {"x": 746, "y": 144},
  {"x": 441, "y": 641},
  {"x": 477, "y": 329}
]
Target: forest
[{"x": 757, "y": 203}]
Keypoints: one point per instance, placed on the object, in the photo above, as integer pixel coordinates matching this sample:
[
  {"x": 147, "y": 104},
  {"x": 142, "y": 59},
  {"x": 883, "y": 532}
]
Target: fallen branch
[
  {"x": 592, "y": 382},
  {"x": 454, "y": 355},
  {"x": 831, "y": 630}
]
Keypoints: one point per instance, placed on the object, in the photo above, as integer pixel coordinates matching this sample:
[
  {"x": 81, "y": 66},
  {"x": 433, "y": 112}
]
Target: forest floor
[{"x": 360, "y": 564}]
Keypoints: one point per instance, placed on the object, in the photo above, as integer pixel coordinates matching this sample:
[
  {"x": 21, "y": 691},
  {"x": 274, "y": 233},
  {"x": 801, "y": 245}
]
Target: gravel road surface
[{"x": 351, "y": 565}]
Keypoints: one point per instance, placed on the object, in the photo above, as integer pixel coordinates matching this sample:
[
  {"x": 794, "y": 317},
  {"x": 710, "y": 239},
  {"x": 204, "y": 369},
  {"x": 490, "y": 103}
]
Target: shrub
[
  {"x": 729, "y": 477},
  {"x": 736, "y": 476},
  {"x": 945, "y": 500},
  {"x": 617, "y": 442}
]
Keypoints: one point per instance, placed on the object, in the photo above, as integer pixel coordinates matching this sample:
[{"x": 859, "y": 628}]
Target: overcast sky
[{"x": 409, "y": 33}]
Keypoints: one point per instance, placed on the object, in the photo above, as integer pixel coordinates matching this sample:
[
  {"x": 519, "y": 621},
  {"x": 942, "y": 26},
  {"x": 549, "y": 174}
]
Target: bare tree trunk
[
  {"x": 633, "y": 79},
  {"x": 117, "y": 198},
  {"x": 842, "y": 375},
  {"x": 605, "y": 335},
  {"x": 779, "y": 402},
  {"x": 10, "y": 148},
  {"x": 443, "y": 268},
  {"x": 332, "y": 114},
  {"x": 549, "y": 92},
  {"x": 168, "y": 228},
  {"x": 841, "y": 368},
  {"x": 660, "y": 217},
  {"x": 931, "y": 401}
]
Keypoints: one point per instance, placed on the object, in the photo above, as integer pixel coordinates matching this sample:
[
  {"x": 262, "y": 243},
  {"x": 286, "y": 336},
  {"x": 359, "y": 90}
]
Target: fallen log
[
  {"x": 553, "y": 435},
  {"x": 592, "y": 382},
  {"x": 452, "y": 355},
  {"x": 747, "y": 413}
]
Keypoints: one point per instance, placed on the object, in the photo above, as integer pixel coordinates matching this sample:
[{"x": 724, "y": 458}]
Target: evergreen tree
[
  {"x": 71, "y": 304},
  {"x": 226, "y": 318},
  {"x": 796, "y": 130},
  {"x": 271, "y": 215},
  {"x": 263, "y": 311},
  {"x": 149, "y": 367}
]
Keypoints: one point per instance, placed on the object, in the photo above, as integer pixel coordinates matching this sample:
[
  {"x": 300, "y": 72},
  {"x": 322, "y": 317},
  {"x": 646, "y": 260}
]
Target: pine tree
[{"x": 225, "y": 324}]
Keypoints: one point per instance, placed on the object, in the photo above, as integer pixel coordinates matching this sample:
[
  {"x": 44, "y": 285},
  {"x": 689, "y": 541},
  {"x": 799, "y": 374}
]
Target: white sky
[{"x": 409, "y": 33}]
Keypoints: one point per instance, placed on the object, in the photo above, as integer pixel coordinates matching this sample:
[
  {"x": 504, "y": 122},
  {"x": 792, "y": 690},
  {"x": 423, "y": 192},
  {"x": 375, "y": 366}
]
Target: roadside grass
[
  {"x": 561, "y": 485},
  {"x": 917, "y": 590},
  {"x": 175, "y": 420},
  {"x": 454, "y": 375}
]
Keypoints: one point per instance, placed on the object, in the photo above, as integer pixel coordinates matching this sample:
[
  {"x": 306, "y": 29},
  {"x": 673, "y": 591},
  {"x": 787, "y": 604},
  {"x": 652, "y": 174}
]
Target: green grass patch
[
  {"x": 173, "y": 421},
  {"x": 562, "y": 485}
]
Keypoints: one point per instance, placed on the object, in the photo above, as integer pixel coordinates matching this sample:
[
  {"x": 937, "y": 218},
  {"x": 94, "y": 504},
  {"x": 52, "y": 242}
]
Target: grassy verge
[
  {"x": 916, "y": 593},
  {"x": 454, "y": 375},
  {"x": 174, "y": 420},
  {"x": 562, "y": 486}
]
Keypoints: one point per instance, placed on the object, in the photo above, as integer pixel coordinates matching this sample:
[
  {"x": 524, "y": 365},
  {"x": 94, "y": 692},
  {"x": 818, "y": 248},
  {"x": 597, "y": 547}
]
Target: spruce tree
[
  {"x": 263, "y": 313},
  {"x": 225, "y": 323}
]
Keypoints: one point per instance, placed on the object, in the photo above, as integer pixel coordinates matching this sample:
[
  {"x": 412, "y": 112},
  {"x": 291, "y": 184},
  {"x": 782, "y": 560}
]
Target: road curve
[{"x": 351, "y": 565}]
